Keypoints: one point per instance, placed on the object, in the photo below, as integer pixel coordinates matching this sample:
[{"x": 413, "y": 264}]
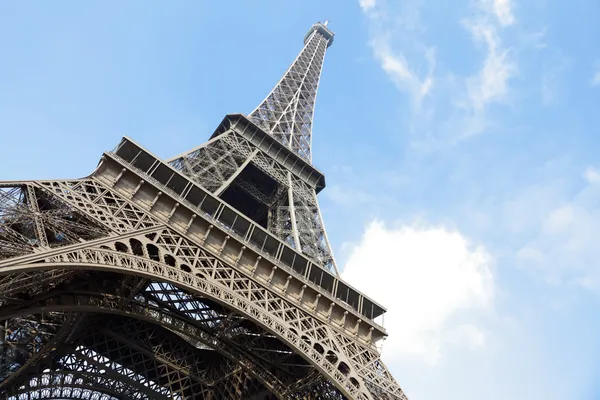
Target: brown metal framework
[{"x": 208, "y": 276}]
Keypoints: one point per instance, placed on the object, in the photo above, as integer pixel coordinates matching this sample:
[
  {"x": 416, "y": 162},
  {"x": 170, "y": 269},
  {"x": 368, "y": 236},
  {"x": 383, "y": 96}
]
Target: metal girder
[
  {"x": 31, "y": 219},
  {"x": 257, "y": 302},
  {"x": 104, "y": 294},
  {"x": 46, "y": 344},
  {"x": 60, "y": 387},
  {"x": 148, "y": 362},
  {"x": 214, "y": 164},
  {"x": 308, "y": 337},
  {"x": 287, "y": 112},
  {"x": 295, "y": 217}
]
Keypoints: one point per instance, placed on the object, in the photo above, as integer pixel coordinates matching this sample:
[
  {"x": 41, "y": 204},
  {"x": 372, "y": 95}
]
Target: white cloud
[
  {"x": 429, "y": 278},
  {"x": 435, "y": 335},
  {"x": 396, "y": 66},
  {"x": 564, "y": 244},
  {"x": 490, "y": 84},
  {"x": 595, "y": 81},
  {"x": 397, "y": 42},
  {"x": 552, "y": 81},
  {"x": 535, "y": 39},
  {"x": 468, "y": 335},
  {"x": 393, "y": 61},
  {"x": 528, "y": 254},
  {"x": 592, "y": 175},
  {"x": 558, "y": 220},
  {"x": 366, "y": 5},
  {"x": 503, "y": 10},
  {"x": 348, "y": 196}
]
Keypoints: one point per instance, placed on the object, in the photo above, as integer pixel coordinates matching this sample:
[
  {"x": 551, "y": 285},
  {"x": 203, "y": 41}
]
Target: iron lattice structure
[{"x": 207, "y": 276}]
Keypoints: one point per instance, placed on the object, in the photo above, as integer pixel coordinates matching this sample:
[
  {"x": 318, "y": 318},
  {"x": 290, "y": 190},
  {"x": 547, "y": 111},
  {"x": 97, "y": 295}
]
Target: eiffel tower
[{"x": 205, "y": 276}]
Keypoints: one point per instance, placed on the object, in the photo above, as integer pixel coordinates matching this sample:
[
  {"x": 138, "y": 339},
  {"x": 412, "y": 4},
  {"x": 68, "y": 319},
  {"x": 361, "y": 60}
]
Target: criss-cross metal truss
[
  {"x": 231, "y": 161},
  {"x": 287, "y": 112},
  {"x": 194, "y": 278}
]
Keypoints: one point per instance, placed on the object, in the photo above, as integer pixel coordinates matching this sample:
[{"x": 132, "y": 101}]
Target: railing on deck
[{"x": 242, "y": 228}]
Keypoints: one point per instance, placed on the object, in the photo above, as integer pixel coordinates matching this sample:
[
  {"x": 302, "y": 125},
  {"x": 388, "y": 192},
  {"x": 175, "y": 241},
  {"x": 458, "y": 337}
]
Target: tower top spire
[
  {"x": 287, "y": 112},
  {"x": 323, "y": 30}
]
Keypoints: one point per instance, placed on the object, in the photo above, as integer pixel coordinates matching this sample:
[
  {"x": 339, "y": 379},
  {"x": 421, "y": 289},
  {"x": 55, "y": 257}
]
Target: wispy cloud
[
  {"x": 503, "y": 10},
  {"x": 552, "y": 89},
  {"x": 366, "y": 5},
  {"x": 492, "y": 67},
  {"x": 491, "y": 82},
  {"x": 595, "y": 81},
  {"x": 398, "y": 47},
  {"x": 564, "y": 242},
  {"x": 392, "y": 60},
  {"x": 348, "y": 196},
  {"x": 535, "y": 39},
  {"x": 397, "y": 68},
  {"x": 592, "y": 175}
]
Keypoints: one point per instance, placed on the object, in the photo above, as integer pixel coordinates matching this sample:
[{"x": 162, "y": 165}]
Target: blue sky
[{"x": 459, "y": 139}]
